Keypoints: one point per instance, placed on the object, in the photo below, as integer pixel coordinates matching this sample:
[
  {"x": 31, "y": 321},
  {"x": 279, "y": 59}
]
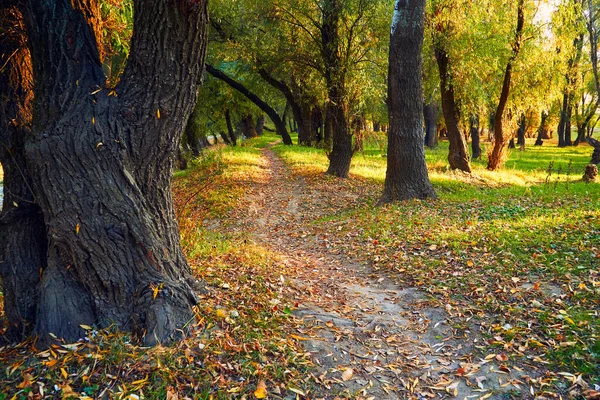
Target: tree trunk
[
  {"x": 102, "y": 162},
  {"x": 406, "y": 175},
  {"x": 260, "y": 124},
  {"x": 230, "y": 131},
  {"x": 596, "y": 154},
  {"x": 267, "y": 109},
  {"x": 335, "y": 76},
  {"x": 22, "y": 230},
  {"x": 475, "y": 138},
  {"x": 194, "y": 132},
  {"x": 249, "y": 127},
  {"x": 225, "y": 138},
  {"x": 497, "y": 157},
  {"x": 430, "y": 112},
  {"x": 581, "y": 134},
  {"x": 316, "y": 121},
  {"x": 459, "y": 153},
  {"x": 563, "y": 119},
  {"x": 521, "y": 132}
]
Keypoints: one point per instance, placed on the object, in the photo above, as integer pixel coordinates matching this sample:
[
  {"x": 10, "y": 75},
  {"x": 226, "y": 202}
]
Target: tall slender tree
[
  {"x": 101, "y": 161},
  {"x": 406, "y": 176},
  {"x": 497, "y": 156}
]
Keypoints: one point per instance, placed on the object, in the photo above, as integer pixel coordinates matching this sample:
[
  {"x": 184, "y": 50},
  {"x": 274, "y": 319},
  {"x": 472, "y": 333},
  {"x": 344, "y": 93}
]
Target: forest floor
[
  {"x": 491, "y": 291},
  {"x": 368, "y": 335}
]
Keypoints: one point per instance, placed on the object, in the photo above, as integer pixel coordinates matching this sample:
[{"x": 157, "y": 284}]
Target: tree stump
[{"x": 591, "y": 172}]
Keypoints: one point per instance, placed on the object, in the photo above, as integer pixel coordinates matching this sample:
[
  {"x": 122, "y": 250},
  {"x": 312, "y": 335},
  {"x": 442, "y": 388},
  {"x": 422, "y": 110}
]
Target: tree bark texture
[
  {"x": 267, "y": 109},
  {"x": 337, "y": 108},
  {"x": 458, "y": 156},
  {"x": 22, "y": 229},
  {"x": 101, "y": 161},
  {"x": 406, "y": 175},
  {"x": 498, "y": 154}
]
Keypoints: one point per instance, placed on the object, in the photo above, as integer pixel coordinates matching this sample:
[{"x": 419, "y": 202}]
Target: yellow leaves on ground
[{"x": 261, "y": 390}]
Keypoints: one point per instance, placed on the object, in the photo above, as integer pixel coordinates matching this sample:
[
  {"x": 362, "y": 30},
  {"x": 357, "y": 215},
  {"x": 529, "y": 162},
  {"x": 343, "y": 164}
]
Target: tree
[
  {"x": 22, "y": 229},
  {"x": 270, "y": 111},
  {"x": 458, "y": 156},
  {"x": 406, "y": 175},
  {"x": 496, "y": 158},
  {"x": 101, "y": 159}
]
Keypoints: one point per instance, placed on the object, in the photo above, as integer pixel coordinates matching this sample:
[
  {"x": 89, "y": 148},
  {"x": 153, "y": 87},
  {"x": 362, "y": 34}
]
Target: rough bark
[
  {"x": 102, "y": 160},
  {"x": 22, "y": 229},
  {"x": 497, "y": 156},
  {"x": 337, "y": 108},
  {"x": 458, "y": 156},
  {"x": 406, "y": 175},
  {"x": 267, "y": 109},
  {"x": 430, "y": 112}
]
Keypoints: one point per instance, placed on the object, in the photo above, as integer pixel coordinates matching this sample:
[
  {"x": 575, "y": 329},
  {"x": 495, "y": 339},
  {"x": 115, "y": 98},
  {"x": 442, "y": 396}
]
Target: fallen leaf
[
  {"x": 347, "y": 374},
  {"x": 261, "y": 390}
]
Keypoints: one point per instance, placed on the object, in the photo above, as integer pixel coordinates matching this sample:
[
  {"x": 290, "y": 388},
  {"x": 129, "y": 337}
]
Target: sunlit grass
[{"x": 490, "y": 232}]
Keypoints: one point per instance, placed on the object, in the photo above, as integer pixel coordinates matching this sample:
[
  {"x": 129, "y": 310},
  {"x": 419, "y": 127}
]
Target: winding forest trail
[{"x": 369, "y": 338}]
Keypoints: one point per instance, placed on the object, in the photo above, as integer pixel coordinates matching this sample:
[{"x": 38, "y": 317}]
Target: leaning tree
[
  {"x": 98, "y": 164},
  {"x": 406, "y": 176}
]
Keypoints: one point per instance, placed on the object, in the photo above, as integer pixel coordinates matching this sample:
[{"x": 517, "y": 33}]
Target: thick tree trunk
[
  {"x": 22, "y": 230},
  {"x": 335, "y": 76},
  {"x": 497, "y": 157},
  {"x": 102, "y": 162},
  {"x": 267, "y": 109},
  {"x": 430, "y": 112},
  {"x": 459, "y": 152},
  {"x": 406, "y": 175},
  {"x": 475, "y": 138}
]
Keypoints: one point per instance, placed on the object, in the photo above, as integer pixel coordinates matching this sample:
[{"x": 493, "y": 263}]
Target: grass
[
  {"x": 516, "y": 248},
  {"x": 512, "y": 255}
]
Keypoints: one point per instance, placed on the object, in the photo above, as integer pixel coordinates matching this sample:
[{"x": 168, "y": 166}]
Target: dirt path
[{"x": 368, "y": 338}]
